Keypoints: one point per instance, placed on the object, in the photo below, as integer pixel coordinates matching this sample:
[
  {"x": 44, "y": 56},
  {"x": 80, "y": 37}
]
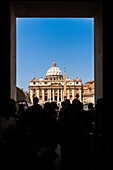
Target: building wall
[
  {"x": 88, "y": 92},
  {"x": 21, "y": 95}
]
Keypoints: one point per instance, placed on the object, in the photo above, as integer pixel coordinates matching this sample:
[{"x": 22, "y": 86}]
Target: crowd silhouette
[{"x": 30, "y": 136}]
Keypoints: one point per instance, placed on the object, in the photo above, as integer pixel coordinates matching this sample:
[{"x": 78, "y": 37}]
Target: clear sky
[{"x": 70, "y": 41}]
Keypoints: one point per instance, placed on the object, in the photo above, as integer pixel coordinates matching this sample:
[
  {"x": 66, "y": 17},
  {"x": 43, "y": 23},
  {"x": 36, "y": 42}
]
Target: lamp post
[{"x": 77, "y": 96}]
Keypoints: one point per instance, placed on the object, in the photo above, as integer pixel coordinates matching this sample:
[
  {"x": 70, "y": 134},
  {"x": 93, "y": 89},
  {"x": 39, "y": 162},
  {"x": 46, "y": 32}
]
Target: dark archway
[{"x": 49, "y": 9}]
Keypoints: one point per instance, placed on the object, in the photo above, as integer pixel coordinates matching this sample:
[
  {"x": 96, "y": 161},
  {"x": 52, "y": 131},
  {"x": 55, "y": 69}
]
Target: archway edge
[{"x": 75, "y": 9}]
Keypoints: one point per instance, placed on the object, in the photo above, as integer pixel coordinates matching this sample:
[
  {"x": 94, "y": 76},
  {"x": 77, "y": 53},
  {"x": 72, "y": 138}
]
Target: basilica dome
[{"x": 54, "y": 73}]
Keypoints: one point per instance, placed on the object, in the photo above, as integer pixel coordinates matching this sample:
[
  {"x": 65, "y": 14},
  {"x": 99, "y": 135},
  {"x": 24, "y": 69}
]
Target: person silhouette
[{"x": 35, "y": 103}]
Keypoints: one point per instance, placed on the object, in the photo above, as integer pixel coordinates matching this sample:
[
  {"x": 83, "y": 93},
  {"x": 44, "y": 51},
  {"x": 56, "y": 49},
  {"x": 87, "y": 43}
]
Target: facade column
[
  {"x": 53, "y": 95},
  {"x": 61, "y": 95},
  {"x": 38, "y": 93},
  {"x": 80, "y": 94},
  {"x": 31, "y": 98},
  {"x": 58, "y": 95},
  {"x": 64, "y": 96},
  {"x": 50, "y": 95},
  {"x": 43, "y": 94},
  {"x": 73, "y": 93},
  {"x": 68, "y": 93}
]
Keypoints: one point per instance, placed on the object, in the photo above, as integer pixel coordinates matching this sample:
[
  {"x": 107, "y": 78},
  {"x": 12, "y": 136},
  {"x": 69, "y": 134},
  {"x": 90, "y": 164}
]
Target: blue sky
[{"x": 70, "y": 41}]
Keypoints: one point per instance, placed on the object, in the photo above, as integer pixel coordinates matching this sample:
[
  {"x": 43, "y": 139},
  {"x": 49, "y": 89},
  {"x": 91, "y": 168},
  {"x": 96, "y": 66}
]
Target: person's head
[
  {"x": 35, "y": 100},
  {"x": 21, "y": 108},
  {"x": 54, "y": 105},
  {"x": 67, "y": 102},
  {"x": 63, "y": 104},
  {"x": 90, "y": 106},
  {"x": 48, "y": 106},
  {"x": 76, "y": 103}
]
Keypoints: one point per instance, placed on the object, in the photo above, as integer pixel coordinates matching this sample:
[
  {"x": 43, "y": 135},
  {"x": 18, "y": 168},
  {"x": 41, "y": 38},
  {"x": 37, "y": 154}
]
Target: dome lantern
[{"x": 54, "y": 64}]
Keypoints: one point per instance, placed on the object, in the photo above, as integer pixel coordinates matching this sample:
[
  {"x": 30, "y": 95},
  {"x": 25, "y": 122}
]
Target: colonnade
[{"x": 51, "y": 93}]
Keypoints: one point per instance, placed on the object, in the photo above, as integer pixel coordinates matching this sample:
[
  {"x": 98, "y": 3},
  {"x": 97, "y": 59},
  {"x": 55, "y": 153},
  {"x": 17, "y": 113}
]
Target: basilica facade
[{"x": 56, "y": 87}]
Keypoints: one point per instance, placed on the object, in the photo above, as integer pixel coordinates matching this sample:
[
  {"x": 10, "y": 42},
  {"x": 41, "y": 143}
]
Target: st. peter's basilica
[{"x": 57, "y": 87}]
